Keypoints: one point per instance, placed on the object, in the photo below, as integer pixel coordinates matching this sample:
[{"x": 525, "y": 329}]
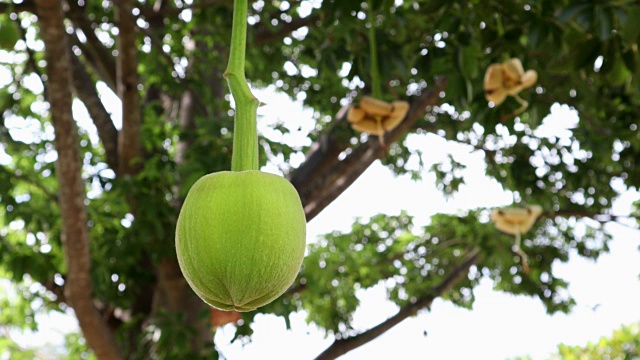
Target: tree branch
[
  {"x": 75, "y": 234},
  {"x": 85, "y": 90},
  {"x": 129, "y": 143},
  {"x": 97, "y": 55},
  {"x": 342, "y": 346},
  {"x": 591, "y": 215},
  {"x": 323, "y": 177},
  {"x": 263, "y": 34}
]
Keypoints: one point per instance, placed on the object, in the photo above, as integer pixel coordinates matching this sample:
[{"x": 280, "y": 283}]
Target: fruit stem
[
  {"x": 376, "y": 87},
  {"x": 245, "y": 136}
]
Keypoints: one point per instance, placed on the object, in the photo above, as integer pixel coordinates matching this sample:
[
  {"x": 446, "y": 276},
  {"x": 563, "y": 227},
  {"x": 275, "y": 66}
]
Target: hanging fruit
[
  {"x": 517, "y": 221},
  {"x": 376, "y": 117},
  {"x": 372, "y": 115},
  {"x": 508, "y": 78},
  {"x": 240, "y": 236}
]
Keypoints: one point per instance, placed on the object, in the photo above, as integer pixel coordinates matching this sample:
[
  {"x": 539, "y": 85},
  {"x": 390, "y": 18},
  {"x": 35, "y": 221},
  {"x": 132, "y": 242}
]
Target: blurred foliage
[
  {"x": 9, "y": 349},
  {"x": 623, "y": 344},
  {"x": 74, "y": 348},
  {"x": 586, "y": 55}
]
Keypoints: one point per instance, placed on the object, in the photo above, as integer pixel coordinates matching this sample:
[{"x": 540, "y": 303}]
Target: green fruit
[{"x": 240, "y": 238}]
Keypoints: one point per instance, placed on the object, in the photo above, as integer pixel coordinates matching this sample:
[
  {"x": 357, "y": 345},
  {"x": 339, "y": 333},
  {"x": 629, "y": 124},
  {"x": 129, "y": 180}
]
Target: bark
[
  {"x": 75, "y": 234},
  {"x": 341, "y": 347},
  {"x": 85, "y": 90},
  {"x": 129, "y": 143},
  {"x": 323, "y": 177}
]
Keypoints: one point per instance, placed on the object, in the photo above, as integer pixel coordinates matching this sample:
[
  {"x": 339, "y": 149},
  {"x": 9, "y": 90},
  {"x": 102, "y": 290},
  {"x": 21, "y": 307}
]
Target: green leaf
[
  {"x": 603, "y": 22},
  {"x": 573, "y": 11},
  {"x": 611, "y": 56},
  {"x": 538, "y": 33},
  {"x": 9, "y": 34},
  {"x": 631, "y": 27},
  {"x": 630, "y": 58},
  {"x": 586, "y": 53}
]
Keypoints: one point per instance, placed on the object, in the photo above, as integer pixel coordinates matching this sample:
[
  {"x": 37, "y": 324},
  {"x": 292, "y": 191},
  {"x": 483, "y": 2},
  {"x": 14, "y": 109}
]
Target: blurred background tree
[{"x": 87, "y": 213}]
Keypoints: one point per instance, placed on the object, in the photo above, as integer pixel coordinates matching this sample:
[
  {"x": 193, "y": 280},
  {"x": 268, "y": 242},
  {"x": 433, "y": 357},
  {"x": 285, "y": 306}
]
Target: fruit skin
[{"x": 240, "y": 238}]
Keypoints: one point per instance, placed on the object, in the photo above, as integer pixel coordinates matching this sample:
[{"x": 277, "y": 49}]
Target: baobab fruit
[
  {"x": 514, "y": 220},
  {"x": 375, "y": 107},
  {"x": 240, "y": 238}
]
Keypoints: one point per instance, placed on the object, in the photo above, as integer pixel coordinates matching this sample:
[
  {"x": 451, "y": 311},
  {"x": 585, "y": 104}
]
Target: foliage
[
  {"x": 10, "y": 349},
  {"x": 623, "y": 344},
  {"x": 74, "y": 348},
  {"x": 586, "y": 54}
]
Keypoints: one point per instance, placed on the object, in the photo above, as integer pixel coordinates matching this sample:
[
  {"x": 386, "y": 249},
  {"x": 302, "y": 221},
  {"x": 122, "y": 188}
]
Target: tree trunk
[{"x": 75, "y": 234}]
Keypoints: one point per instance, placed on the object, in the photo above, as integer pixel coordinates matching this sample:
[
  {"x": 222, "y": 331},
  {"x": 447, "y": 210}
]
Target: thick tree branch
[
  {"x": 129, "y": 143},
  {"x": 263, "y": 34},
  {"x": 85, "y": 90},
  {"x": 75, "y": 234},
  {"x": 342, "y": 346},
  {"x": 323, "y": 177},
  {"x": 97, "y": 55}
]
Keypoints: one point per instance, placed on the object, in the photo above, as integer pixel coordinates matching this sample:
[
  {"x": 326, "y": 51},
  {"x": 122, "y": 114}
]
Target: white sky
[{"x": 500, "y": 325}]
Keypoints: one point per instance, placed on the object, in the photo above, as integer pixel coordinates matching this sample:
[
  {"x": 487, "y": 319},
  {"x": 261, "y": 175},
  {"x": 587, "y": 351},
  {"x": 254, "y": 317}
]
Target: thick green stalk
[
  {"x": 376, "y": 87},
  {"x": 245, "y": 136}
]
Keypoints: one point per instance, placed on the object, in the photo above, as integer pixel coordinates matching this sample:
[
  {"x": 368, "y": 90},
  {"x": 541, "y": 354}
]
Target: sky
[{"x": 500, "y": 326}]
